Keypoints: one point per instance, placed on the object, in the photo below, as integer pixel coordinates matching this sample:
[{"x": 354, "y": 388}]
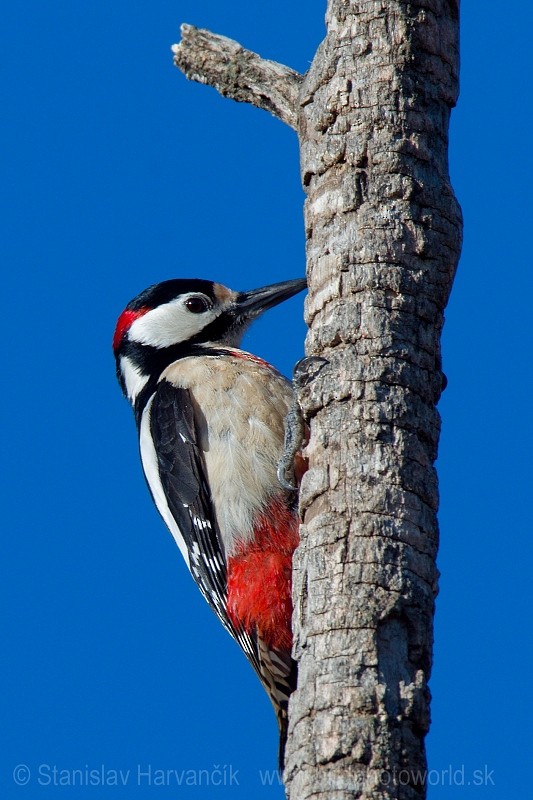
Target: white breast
[{"x": 240, "y": 410}]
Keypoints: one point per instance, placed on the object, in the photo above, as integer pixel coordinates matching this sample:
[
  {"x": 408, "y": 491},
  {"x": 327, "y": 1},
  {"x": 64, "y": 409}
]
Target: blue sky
[{"x": 118, "y": 173}]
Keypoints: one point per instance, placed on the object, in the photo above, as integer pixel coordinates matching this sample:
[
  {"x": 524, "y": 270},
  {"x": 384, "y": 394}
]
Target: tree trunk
[{"x": 383, "y": 238}]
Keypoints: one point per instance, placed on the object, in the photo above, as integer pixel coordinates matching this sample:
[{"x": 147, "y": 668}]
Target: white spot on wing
[{"x": 201, "y": 523}]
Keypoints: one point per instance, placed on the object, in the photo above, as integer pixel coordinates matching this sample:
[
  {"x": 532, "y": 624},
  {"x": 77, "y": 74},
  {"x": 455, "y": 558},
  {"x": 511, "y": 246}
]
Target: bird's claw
[{"x": 295, "y": 429}]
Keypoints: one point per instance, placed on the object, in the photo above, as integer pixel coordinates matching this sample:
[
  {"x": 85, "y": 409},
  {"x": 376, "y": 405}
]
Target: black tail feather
[{"x": 283, "y": 724}]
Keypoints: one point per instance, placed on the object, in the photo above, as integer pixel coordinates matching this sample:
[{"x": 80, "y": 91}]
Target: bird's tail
[
  {"x": 283, "y": 725},
  {"x": 278, "y": 675}
]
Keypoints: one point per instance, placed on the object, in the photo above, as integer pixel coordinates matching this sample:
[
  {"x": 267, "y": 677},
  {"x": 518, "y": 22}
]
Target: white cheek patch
[{"x": 170, "y": 323}]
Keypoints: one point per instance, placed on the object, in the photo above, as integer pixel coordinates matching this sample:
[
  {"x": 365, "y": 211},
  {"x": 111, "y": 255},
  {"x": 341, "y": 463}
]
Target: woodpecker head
[{"x": 179, "y": 317}]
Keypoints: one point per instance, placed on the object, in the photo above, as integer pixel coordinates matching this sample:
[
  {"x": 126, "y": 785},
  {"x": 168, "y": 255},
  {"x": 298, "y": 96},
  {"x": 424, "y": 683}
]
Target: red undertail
[{"x": 259, "y": 577}]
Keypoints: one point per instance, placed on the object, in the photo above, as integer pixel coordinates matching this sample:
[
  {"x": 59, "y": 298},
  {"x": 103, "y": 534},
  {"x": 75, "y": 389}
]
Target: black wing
[{"x": 183, "y": 478}]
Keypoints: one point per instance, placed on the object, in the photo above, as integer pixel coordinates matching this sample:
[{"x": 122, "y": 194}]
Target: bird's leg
[
  {"x": 290, "y": 465},
  {"x": 294, "y": 441}
]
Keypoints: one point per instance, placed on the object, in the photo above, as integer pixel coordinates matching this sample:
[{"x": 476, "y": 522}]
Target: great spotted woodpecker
[{"x": 210, "y": 418}]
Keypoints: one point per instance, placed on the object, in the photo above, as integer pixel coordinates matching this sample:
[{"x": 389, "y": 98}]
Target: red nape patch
[
  {"x": 124, "y": 322},
  {"x": 259, "y": 577}
]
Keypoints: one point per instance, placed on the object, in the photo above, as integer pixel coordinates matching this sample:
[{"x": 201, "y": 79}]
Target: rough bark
[
  {"x": 238, "y": 73},
  {"x": 383, "y": 238}
]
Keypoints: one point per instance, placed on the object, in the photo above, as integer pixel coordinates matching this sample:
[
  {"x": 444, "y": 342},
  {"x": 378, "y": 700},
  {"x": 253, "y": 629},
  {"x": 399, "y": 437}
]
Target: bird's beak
[{"x": 251, "y": 304}]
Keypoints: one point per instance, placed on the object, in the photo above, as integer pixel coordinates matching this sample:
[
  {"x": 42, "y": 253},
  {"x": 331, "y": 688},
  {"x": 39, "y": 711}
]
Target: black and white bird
[{"x": 210, "y": 419}]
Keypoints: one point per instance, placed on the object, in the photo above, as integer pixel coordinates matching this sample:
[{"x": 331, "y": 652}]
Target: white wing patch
[{"x": 151, "y": 470}]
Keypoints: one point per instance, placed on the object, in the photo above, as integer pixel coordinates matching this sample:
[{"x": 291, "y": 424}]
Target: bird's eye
[{"x": 196, "y": 305}]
